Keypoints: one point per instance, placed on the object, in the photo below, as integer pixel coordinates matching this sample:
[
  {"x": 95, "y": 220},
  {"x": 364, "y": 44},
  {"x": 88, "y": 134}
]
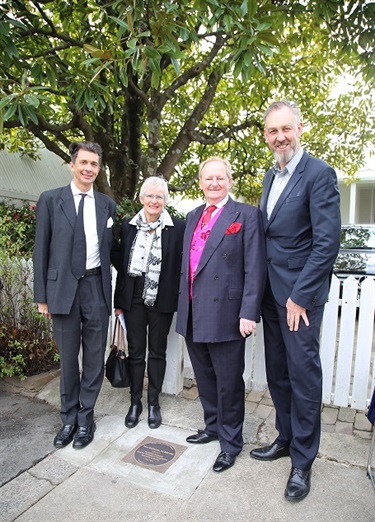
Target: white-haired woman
[{"x": 147, "y": 292}]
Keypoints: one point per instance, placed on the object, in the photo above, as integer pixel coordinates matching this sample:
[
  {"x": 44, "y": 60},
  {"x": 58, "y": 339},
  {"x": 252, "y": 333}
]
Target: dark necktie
[
  {"x": 79, "y": 243},
  {"x": 208, "y": 214}
]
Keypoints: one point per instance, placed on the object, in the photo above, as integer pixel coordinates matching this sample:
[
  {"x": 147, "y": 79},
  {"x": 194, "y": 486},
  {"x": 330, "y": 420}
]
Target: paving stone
[
  {"x": 328, "y": 428},
  {"x": 346, "y": 414},
  {"x": 361, "y": 422},
  {"x": 255, "y": 396},
  {"x": 250, "y": 407},
  {"x": 267, "y": 401},
  {"x": 329, "y": 415},
  {"x": 19, "y": 494},
  {"x": 262, "y": 411},
  {"x": 190, "y": 393},
  {"x": 362, "y": 434},
  {"x": 344, "y": 427},
  {"x": 53, "y": 469}
]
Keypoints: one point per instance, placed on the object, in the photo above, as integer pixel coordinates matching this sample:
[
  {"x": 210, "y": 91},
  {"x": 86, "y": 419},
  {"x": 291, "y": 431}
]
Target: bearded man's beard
[{"x": 282, "y": 158}]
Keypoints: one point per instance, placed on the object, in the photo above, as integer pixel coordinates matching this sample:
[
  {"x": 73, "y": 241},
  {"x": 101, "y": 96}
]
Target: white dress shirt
[{"x": 89, "y": 223}]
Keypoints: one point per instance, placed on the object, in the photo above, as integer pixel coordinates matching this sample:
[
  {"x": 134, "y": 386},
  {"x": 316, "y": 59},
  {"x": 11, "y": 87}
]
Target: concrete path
[{"x": 144, "y": 475}]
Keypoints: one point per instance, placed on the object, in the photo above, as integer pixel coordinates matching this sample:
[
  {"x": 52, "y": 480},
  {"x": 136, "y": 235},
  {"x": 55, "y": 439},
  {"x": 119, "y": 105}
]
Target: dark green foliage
[{"x": 26, "y": 342}]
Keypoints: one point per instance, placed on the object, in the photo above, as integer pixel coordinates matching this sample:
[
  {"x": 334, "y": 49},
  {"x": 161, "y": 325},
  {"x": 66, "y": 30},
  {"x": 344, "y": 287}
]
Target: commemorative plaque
[{"x": 155, "y": 454}]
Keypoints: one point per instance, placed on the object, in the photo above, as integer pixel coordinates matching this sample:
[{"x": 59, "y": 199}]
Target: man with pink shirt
[{"x": 222, "y": 282}]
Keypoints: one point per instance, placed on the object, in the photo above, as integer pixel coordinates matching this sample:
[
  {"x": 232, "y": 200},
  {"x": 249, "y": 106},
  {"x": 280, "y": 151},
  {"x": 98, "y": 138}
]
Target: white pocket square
[{"x": 109, "y": 222}]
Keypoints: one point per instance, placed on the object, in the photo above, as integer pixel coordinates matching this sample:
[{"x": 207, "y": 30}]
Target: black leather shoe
[
  {"x": 132, "y": 417},
  {"x": 224, "y": 461},
  {"x": 272, "y": 452},
  {"x": 84, "y": 435},
  {"x": 64, "y": 436},
  {"x": 298, "y": 486},
  {"x": 154, "y": 416},
  {"x": 200, "y": 438}
]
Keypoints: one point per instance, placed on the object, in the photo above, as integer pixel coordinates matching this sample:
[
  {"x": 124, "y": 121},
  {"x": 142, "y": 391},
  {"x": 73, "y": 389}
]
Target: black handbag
[{"x": 117, "y": 364}]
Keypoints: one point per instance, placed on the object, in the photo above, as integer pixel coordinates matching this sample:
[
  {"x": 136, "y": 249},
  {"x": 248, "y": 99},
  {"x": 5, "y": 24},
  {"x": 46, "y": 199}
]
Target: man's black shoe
[
  {"x": 132, "y": 417},
  {"x": 272, "y": 452},
  {"x": 154, "y": 416},
  {"x": 64, "y": 436},
  {"x": 224, "y": 461},
  {"x": 84, "y": 435},
  {"x": 201, "y": 438},
  {"x": 298, "y": 486}
]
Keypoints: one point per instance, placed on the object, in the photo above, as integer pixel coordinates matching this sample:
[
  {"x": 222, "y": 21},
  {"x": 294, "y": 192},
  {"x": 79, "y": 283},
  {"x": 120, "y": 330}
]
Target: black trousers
[
  {"x": 87, "y": 322},
  {"x": 146, "y": 328},
  {"x": 294, "y": 378}
]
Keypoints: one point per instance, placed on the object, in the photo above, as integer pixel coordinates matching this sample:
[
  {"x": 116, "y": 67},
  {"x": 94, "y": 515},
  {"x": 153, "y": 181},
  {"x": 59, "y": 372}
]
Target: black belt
[{"x": 93, "y": 271}]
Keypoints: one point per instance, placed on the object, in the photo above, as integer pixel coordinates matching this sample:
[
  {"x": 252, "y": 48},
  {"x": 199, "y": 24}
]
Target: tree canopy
[{"x": 162, "y": 85}]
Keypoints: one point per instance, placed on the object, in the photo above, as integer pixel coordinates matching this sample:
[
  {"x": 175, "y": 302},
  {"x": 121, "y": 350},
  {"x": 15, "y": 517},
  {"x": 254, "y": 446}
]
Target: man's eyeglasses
[{"x": 152, "y": 196}]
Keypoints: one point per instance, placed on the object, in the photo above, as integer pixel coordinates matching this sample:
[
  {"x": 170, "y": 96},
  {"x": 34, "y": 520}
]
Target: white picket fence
[{"x": 347, "y": 349}]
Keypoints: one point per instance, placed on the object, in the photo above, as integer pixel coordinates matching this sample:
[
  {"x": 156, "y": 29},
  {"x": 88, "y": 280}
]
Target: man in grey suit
[
  {"x": 301, "y": 213},
  {"x": 221, "y": 286},
  {"x": 78, "y": 298}
]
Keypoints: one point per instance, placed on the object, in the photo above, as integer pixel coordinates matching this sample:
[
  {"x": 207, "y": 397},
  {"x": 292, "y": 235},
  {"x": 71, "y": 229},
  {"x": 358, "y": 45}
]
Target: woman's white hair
[{"x": 154, "y": 181}]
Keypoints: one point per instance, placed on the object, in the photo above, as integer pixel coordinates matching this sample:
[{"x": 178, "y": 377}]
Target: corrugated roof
[{"x": 22, "y": 178}]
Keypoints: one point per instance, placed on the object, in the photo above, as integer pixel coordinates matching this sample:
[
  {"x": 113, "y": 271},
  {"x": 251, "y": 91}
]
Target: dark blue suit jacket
[
  {"x": 54, "y": 282},
  {"x": 230, "y": 278},
  {"x": 303, "y": 233}
]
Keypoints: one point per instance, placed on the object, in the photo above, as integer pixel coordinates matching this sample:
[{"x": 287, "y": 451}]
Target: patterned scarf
[{"x": 137, "y": 253}]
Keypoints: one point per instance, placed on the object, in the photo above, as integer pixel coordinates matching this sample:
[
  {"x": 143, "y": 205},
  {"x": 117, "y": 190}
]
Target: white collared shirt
[
  {"x": 281, "y": 180},
  {"x": 89, "y": 223}
]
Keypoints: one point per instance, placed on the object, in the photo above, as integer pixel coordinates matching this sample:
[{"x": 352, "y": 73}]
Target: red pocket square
[{"x": 233, "y": 228}]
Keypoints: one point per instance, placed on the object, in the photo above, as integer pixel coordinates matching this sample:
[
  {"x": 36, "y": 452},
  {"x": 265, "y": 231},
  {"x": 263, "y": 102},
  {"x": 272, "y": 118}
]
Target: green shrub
[
  {"x": 26, "y": 341},
  {"x": 17, "y": 229}
]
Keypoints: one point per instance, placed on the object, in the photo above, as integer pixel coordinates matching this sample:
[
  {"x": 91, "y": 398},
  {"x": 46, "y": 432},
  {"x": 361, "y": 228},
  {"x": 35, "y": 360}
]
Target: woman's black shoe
[
  {"x": 132, "y": 417},
  {"x": 154, "y": 416}
]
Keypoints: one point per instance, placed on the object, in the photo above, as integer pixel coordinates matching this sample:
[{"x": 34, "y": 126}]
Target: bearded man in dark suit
[{"x": 301, "y": 214}]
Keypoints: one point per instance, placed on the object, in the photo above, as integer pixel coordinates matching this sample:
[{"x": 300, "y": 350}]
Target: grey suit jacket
[
  {"x": 303, "y": 233},
  {"x": 230, "y": 277},
  {"x": 54, "y": 282}
]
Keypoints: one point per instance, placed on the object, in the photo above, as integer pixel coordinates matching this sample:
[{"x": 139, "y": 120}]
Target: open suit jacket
[
  {"x": 230, "y": 277},
  {"x": 171, "y": 244},
  {"x": 54, "y": 282},
  {"x": 303, "y": 233}
]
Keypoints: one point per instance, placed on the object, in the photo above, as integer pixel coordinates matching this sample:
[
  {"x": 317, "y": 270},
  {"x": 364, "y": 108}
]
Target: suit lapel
[
  {"x": 228, "y": 215},
  {"x": 268, "y": 179},
  {"x": 101, "y": 215},
  {"x": 296, "y": 177},
  {"x": 191, "y": 224},
  {"x": 67, "y": 205}
]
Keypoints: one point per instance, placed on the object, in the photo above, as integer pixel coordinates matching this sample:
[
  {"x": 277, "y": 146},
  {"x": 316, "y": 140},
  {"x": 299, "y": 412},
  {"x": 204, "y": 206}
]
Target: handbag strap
[
  {"x": 119, "y": 336},
  {"x": 115, "y": 331}
]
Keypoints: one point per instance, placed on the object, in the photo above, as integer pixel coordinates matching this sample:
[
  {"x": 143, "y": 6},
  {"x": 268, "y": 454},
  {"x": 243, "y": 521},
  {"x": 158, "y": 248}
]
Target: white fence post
[
  {"x": 174, "y": 373},
  {"x": 328, "y": 339},
  {"x": 259, "y": 376},
  {"x": 346, "y": 340},
  {"x": 364, "y": 345}
]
